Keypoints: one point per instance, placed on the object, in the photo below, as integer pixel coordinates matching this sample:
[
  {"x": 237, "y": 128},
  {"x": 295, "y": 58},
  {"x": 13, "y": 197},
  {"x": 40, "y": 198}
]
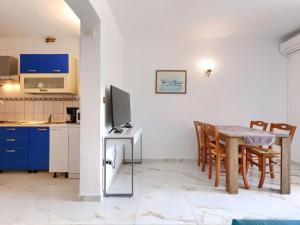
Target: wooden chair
[
  {"x": 202, "y": 152},
  {"x": 199, "y": 139},
  {"x": 257, "y": 124},
  {"x": 264, "y": 154},
  {"x": 217, "y": 152}
]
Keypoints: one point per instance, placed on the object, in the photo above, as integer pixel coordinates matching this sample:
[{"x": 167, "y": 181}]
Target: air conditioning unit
[{"x": 290, "y": 46}]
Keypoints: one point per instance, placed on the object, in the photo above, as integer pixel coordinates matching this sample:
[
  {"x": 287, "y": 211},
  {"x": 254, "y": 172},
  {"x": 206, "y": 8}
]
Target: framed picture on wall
[{"x": 170, "y": 82}]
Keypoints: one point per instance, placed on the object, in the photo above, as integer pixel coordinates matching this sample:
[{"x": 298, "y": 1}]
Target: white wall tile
[
  {"x": 38, "y": 117},
  {"x": 76, "y": 104},
  {"x": 28, "y": 107},
  {"x": 2, "y": 117},
  {"x": 48, "y": 107},
  {"x": 9, "y": 116},
  {"x": 58, "y": 117},
  {"x": 28, "y": 117},
  {"x": 9, "y": 106},
  {"x": 46, "y": 116},
  {"x": 1, "y": 107},
  {"x": 19, "y": 107},
  {"x": 38, "y": 107},
  {"x": 58, "y": 107},
  {"x": 19, "y": 116},
  {"x": 67, "y": 104}
]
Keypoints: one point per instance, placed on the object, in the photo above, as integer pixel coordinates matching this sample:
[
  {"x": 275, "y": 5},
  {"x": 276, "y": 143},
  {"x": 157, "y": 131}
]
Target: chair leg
[
  {"x": 199, "y": 158},
  {"x": 247, "y": 161},
  {"x": 209, "y": 166},
  {"x": 204, "y": 158},
  {"x": 251, "y": 159},
  {"x": 244, "y": 171},
  {"x": 271, "y": 166},
  {"x": 262, "y": 166},
  {"x": 218, "y": 167}
]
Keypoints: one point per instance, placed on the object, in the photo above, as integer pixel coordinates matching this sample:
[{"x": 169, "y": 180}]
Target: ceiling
[
  {"x": 37, "y": 19},
  {"x": 207, "y": 19}
]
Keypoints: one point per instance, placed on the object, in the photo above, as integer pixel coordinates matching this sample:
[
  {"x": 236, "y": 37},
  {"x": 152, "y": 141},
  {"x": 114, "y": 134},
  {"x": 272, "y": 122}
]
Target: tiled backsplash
[{"x": 15, "y": 106}]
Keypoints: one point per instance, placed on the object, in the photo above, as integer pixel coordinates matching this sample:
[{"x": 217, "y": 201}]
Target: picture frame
[{"x": 170, "y": 81}]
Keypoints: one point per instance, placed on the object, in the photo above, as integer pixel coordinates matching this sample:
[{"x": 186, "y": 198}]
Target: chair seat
[
  {"x": 223, "y": 154},
  {"x": 263, "y": 151},
  {"x": 223, "y": 150}
]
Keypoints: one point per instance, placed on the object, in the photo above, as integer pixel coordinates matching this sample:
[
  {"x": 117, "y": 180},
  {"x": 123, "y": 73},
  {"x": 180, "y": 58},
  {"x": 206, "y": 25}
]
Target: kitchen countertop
[{"x": 37, "y": 124}]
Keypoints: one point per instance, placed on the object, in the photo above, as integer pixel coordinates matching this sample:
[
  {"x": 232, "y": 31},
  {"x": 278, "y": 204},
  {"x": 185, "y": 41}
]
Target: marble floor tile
[
  {"x": 214, "y": 206},
  {"x": 171, "y": 192},
  {"x": 161, "y": 207}
]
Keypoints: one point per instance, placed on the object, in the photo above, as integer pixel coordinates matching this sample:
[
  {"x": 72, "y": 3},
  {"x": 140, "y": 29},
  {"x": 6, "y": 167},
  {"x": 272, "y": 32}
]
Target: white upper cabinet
[{"x": 48, "y": 73}]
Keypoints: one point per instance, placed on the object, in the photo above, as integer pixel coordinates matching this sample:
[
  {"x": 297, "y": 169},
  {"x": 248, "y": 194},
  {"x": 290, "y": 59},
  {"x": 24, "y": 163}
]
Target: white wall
[
  {"x": 104, "y": 66},
  {"x": 293, "y": 100},
  {"x": 249, "y": 83}
]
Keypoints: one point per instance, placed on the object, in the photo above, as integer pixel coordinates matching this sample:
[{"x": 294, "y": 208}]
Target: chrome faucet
[{"x": 50, "y": 119}]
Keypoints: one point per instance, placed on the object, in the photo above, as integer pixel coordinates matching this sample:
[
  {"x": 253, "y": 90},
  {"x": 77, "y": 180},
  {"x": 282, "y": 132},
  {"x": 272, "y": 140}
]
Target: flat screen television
[{"x": 120, "y": 109}]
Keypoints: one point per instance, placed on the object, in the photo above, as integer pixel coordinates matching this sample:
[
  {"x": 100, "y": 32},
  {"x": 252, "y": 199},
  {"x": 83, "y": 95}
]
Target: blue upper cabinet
[{"x": 44, "y": 63}]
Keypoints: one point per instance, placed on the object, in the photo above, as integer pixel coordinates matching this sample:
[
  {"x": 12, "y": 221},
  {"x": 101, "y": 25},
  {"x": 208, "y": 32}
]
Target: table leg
[
  {"x": 232, "y": 169},
  {"x": 285, "y": 178}
]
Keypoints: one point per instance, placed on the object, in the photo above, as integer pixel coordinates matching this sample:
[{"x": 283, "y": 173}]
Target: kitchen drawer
[
  {"x": 14, "y": 159},
  {"x": 14, "y": 132},
  {"x": 13, "y": 142},
  {"x": 44, "y": 63}
]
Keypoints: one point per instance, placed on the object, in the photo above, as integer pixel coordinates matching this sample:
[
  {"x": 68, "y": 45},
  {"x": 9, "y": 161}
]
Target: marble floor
[{"x": 165, "y": 193}]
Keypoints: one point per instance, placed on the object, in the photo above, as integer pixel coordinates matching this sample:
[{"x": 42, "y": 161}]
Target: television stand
[
  {"x": 116, "y": 130},
  {"x": 127, "y": 125},
  {"x": 132, "y": 140}
]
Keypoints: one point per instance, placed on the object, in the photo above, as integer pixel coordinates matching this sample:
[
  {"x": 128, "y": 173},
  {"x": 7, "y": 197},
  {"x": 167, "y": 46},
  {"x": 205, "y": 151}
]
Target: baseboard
[
  {"x": 91, "y": 198},
  {"x": 296, "y": 163},
  {"x": 169, "y": 160}
]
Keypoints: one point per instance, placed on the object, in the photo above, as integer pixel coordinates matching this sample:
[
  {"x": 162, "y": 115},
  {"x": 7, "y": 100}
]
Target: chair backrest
[
  {"x": 198, "y": 132},
  {"x": 212, "y": 137},
  {"x": 257, "y": 123},
  {"x": 285, "y": 127}
]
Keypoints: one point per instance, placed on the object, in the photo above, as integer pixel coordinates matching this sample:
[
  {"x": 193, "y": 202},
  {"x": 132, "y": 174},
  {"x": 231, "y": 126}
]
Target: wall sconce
[{"x": 207, "y": 66}]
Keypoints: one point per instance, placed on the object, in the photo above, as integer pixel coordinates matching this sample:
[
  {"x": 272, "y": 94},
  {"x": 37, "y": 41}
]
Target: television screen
[{"x": 120, "y": 106}]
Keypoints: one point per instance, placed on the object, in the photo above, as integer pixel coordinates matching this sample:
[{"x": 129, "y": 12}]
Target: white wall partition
[{"x": 101, "y": 64}]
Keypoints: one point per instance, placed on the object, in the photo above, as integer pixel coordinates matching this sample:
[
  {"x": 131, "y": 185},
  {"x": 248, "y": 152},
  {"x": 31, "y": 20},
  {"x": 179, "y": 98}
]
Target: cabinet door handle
[
  {"x": 43, "y": 89},
  {"x": 10, "y": 129},
  {"x": 32, "y": 71},
  {"x": 10, "y": 139},
  {"x": 42, "y": 129},
  {"x": 56, "y": 71},
  {"x": 10, "y": 150}
]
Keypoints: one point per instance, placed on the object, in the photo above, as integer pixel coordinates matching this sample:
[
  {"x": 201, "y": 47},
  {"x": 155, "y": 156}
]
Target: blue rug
[{"x": 266, "y": 222}]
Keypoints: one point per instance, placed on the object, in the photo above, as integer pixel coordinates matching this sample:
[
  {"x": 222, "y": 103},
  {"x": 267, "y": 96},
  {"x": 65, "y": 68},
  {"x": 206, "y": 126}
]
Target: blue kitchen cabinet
[
  {"x": 44, "y": 63},
  {"x": 13, "y": 148},
  {"x": 39, "y": 148},
  {"x": 13, "y": 158},
  {"x": 24, "y": 148},
  {"x": 11, "y": 132}
]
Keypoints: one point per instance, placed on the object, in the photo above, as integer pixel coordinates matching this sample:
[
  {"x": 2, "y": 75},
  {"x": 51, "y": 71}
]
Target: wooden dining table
[{"x": 234, "y": 136}]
